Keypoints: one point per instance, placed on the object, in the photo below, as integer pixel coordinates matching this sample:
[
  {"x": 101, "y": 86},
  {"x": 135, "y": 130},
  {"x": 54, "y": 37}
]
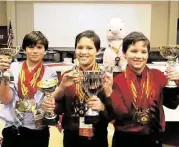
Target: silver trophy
[
  {"x": 92, "y": 85},
  {"x": 47, "y": 87},
  {"x": 170, "y": 91},
  {"x": 170, "y": 52},
  {"x": 7, "y": 54}
]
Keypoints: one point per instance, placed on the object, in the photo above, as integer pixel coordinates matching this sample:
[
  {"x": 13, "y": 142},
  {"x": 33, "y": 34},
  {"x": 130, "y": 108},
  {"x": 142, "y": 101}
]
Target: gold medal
[
  {"x": 21, "y": 106},
  {"x": 25, "y": 106},
  {"x": 143, "y": 117},
  {"x": 81, "y": 112}
]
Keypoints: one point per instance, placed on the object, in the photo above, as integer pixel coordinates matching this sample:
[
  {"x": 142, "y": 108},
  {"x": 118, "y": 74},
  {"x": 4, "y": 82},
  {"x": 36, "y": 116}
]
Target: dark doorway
[
  {"x": 178, "y": 31},
  {"x": 3, "y": 35}
]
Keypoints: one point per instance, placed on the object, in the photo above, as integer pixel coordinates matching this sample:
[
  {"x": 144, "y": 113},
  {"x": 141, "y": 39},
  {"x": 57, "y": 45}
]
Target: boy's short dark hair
[
  {"x": 33, "y": 38},
  {"x": 89, "y": 34},
  {"x": 132, "y": 38}
]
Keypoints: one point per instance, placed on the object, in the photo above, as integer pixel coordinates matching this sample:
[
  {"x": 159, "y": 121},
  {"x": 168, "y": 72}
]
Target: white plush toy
[{"x": 113, "y": 55}]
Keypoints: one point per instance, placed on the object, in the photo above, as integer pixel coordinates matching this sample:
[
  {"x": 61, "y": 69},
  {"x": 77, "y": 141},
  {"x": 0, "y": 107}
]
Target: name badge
[{"x": 85, "y": 129}]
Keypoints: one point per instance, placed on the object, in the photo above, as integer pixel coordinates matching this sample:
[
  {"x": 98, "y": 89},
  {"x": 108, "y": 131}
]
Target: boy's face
[
  {"x": 86, "y": 51},
  {"x": 35, "y": 54},
  {"x": 137, "y": 56}
]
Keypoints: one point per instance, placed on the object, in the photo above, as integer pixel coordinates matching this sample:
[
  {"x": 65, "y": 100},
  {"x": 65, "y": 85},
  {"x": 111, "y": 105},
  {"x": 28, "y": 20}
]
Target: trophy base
[
  {"x": 50, "y": 121},
  {"x": 170, "y": 97},
  {"x": 11, "y": 78},
  {"x": 91, "y": 119}
]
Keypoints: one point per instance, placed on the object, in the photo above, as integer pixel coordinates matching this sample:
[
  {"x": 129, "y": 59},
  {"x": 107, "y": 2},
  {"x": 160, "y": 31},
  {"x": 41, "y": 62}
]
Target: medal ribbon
[
  {"x": 27, "y": 81},
  {"x": 142, "y": 90}
]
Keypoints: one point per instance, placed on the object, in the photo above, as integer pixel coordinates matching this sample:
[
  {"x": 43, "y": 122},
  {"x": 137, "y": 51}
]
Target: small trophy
[
  {"x": 47, "y": 87},
  {"x": 170, "y": 52},
  {"x": 92, "y": 85},
  {"x": 8, "y": 54}
]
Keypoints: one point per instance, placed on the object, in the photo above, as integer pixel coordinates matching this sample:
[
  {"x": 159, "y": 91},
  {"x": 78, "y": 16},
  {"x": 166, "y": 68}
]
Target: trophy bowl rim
[
  {"x": 54, "y": 83},
  {"x": 10, "y": 49},
  {"x": 93, "y": 71},
  {"x": 164, "y": 48},
  {"x": 169, "y": 46}
]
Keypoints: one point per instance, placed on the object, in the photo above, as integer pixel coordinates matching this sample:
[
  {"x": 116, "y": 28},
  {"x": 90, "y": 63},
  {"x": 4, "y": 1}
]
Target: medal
[
  {"x": 22, "y": 106},
  {"x": 25, "y": 106},
  {"x": 81, "y": 112},
  {"x": 143, "y": 117},
  {"x": 79, "y": 108}
]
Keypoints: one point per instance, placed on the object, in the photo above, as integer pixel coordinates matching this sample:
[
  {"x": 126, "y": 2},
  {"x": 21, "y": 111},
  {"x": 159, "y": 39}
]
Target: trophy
[
  {"x": 8, "y": 54},
  {"x": 47, "y": 87},
  {"x": 92, "y": 85},
  {"x": 170, "y": 52}
]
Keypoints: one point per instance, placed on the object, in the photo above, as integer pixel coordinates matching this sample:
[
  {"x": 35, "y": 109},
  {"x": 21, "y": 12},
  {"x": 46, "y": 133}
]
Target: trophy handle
[
  {"x": 15, "y": 50},
  {"x": 171, "y": 62}
]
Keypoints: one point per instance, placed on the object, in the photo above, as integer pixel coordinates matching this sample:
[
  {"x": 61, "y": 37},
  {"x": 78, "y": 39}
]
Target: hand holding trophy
[
  {"x": 170, "y": 52},
  {"x": 92, "y": 85},
  {"x": 47, "y": 87},
  {"x": 6, "y": 56}
]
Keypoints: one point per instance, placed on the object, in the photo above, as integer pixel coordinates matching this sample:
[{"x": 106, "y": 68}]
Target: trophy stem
[
  {"x": 171, "y": 84},
  {"x": 51, "y": 115},
  {"x": 91, "y": 116},
  {"x": 92, "y": 112}
]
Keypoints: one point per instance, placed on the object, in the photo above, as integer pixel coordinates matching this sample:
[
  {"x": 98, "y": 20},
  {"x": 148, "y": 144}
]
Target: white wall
[
  {"x": 61, "y": 22},
  {"x": 164, "y": 16},
  {"x": 3, "y": 14}
]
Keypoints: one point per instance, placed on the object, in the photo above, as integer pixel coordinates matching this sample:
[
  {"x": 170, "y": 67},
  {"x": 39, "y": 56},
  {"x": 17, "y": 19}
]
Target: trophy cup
[
  {"x": 92, "y": 85},
  {"x": 47, "y": 87},
  {"x": 8, "y": 54},
  {"x": 170, "y": 52}
]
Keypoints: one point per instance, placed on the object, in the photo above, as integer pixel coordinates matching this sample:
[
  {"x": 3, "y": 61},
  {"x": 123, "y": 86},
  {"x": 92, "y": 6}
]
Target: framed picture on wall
[{"x": 3, "y": 35}]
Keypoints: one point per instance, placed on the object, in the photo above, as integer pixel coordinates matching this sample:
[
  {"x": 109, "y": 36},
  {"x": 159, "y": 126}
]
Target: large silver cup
[
  {"x": 170, "y": 52},
  {"x": 8, "y": 54},
  {"x": 92, "y": 85},
  {"x": 47, "y": 87},
  {"x": 170, "y": 91}
]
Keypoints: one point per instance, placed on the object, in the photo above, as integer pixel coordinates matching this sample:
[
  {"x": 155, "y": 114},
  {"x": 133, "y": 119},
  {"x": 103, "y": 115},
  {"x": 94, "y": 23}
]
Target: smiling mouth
[
  {"x": 137, "y": 62},
  {"x": 83, "y": 57}
]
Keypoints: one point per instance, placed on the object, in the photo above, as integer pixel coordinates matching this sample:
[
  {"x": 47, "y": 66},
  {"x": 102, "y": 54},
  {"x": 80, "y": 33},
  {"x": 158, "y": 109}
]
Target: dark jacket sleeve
[
  {"x": 170, "y": 95},
  {"x": 107, "y": 113},
  {"x": 110, "y": 114},
  {"x": 60, "y": 106}
]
